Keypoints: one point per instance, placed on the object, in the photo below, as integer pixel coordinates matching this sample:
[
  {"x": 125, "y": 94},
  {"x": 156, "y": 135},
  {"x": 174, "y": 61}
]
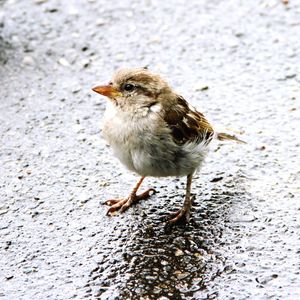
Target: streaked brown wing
[{"x": 187, "y": 124}]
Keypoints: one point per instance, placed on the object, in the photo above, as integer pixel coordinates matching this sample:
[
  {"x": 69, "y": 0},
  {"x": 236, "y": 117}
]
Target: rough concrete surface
[{"x": 238, "y": 62}]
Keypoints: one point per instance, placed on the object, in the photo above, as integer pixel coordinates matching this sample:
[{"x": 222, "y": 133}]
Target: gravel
[{"x": 238, "y": 62}]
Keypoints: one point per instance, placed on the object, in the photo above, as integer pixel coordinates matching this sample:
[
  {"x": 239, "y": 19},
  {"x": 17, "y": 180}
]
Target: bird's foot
[
  {"x": 121, "y": 205},
  {"x": 181, "y": 216}
]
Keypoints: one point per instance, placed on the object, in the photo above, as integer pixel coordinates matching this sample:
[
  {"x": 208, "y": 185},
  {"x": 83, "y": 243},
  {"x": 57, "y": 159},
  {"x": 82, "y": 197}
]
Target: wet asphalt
[{"x": 237, "y": 62}]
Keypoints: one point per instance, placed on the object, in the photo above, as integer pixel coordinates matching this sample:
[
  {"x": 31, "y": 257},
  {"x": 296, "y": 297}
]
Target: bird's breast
[
  {"x": 125, "y": 132},
  {"x": 146, "y": 147}
]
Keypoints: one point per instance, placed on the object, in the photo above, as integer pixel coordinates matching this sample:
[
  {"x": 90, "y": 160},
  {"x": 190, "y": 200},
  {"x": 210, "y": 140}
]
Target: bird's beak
[{"x": 107, "y": 90}]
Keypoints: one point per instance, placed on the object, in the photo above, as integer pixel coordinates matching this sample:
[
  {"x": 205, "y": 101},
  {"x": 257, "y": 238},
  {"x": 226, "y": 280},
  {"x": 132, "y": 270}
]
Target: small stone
[
  {"x": 76, "y": 89},
  {"x": 40, "y": 1},
  {"x": 3, "y": 211},
  {"x": 290, "y": 76},
  {"x": 155, "y": 40},
  {"x": 52, "y": 10},
  {"x": 28, "y": 60},
  {"x": 119, "y": 56},
  {"x": 100, "y": 22},
  {"x": 164, "y": 262},
  {"x": 85, "y": 63},
  {"x": 30, "y": 270},
  {"x": 62, "y": 61},
  {"x": 201, "y": 87},
  {"x": 179, "y": 252},
  {"x": 198, "y": 255},
  {"x": 239, "y": 34},
  {"x": 261, "y": 148},
  {"x": 180, "y": 275},
  {"x": 216, "y": 179}
]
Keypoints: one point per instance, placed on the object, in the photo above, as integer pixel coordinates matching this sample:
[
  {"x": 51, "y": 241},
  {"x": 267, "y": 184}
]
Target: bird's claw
[
  {"x": 121, "y": 205},
  {"x": 181, "y": 216}
]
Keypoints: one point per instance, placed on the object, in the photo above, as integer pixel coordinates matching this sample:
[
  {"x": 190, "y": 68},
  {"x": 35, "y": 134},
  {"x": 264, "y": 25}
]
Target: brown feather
[{"x": 187, "y": 124}]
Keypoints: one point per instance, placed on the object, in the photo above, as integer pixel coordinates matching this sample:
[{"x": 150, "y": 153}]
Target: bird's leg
[
  {"x": 183, "y": 215},
  {"x": 122, "y": 204}
]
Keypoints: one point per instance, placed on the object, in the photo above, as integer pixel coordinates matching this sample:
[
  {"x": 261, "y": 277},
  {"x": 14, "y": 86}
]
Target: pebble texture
[{"x": 238, "y": 62}]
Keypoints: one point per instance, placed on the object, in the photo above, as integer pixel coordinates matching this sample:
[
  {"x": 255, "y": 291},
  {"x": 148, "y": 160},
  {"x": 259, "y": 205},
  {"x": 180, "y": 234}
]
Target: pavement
[{"x": 237, "y": 62}]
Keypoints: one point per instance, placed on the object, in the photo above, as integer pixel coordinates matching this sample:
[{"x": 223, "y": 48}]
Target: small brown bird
[{"x": 154, "y": 132}]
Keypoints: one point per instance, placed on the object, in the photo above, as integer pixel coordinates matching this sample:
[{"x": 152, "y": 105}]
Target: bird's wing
[{"x": 187, "y": 124}]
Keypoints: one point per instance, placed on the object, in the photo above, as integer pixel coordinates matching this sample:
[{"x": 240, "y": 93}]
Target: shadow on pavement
[{"x": 148, "y": 262}]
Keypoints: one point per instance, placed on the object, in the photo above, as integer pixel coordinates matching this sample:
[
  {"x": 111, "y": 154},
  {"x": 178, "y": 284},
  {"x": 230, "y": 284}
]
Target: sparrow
[{"x": 155, "y": 132}]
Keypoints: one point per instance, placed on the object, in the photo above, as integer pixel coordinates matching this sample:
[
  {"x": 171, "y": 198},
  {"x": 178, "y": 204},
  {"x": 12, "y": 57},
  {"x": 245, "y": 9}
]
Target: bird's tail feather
[{"x": 222, "y": 136}]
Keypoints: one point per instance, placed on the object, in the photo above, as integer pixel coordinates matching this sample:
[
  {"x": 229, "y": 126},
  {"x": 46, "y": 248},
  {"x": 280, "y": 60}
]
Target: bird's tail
[{"x": 222, "y": 136}]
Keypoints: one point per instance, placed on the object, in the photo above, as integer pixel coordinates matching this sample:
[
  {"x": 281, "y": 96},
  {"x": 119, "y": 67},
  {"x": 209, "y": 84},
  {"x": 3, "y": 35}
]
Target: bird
[{"x": 154, "y": 132}]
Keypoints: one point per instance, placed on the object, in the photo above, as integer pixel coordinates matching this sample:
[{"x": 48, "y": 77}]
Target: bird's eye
[{"x": 128, "y": 87}]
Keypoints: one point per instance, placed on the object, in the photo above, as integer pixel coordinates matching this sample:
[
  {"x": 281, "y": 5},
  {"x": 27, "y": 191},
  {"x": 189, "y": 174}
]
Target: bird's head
[{"x": 134, "y": 87}]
